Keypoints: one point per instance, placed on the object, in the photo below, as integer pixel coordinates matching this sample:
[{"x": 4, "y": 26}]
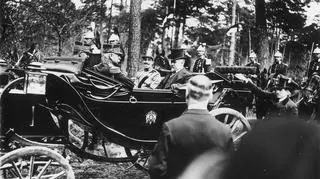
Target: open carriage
[{"x": 60, "y": 104}]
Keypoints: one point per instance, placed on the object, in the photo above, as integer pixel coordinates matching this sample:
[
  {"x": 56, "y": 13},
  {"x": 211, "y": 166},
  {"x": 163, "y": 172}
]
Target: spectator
[
  {"x": 161, "y": 63},
  {"x": 193, "y": 133},
  {"x": 202, "y": 64}
]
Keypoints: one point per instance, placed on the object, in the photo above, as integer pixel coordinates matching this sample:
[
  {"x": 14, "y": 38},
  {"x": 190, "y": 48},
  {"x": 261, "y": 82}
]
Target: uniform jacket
[
  {"x": 314, "y": 67},
  {"x": 184, "y": 138},
  {"x": 180, "y": 77},
  {"x": 278, "y": 69},
  {"x": 147, "y": 79},
  {"x": 200, "y": 66},
  {"x": 273, "y": 108}
]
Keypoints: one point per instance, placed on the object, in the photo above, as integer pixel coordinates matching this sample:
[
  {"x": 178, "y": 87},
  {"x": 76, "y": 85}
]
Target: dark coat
[
  {"x": 184, "y": 138},
  {"x": 314, "y": 67},
  {"x": 278, "y": 69},
  {"x": 180, "y": 77},
  {"x": 272, "y": 108},
  {"x": 278, "y": 149},
  {"x": 200, "y": 66}
]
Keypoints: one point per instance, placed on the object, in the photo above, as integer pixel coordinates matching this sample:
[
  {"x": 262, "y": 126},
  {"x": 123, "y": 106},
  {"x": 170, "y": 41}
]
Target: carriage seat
[{"x": 66, "y": 64}]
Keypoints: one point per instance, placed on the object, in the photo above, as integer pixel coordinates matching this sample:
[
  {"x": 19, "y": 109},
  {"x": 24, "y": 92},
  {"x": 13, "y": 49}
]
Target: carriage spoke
[
  {"x": 31, "y": 167},
  {"x": 44, "y": 169},
  {"x": 226, "y": 118},
  {"x": 16, "y": 169},
  {"x": 233, "y": 121},
  {"x": 58, "y": 175}
]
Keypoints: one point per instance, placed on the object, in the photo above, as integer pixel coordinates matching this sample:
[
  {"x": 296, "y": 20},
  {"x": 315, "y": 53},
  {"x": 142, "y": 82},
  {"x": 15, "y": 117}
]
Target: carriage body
[{"x": 114, "y": 109}]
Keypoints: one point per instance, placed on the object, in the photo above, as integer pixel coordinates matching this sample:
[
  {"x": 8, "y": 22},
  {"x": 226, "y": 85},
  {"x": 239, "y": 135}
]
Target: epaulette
[{"x": 285, "y": 64}]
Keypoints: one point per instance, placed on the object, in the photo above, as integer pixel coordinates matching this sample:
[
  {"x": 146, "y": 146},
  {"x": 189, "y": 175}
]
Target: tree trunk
[
  {"x": 176, "y": 34},
  {"x": 263, "y": 44},
  {"x": 233, "y": 35},
  {"x": 134, "y": 37},
  {"x": 59, "y": 44}
]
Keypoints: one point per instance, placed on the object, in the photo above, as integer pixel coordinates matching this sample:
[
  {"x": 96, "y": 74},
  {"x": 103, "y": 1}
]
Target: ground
[{"x": 91, "y": 169}]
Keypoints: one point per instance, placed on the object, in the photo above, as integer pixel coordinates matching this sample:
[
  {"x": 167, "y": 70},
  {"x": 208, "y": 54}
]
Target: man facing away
[
  {"x": 193, "y": 133},
  {"x": 148, "y": 77},
  {"x": 180, "y": 74}
]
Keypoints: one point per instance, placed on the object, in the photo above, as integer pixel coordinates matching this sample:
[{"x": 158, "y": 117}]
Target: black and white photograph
[{"x": 159, "y": 89}]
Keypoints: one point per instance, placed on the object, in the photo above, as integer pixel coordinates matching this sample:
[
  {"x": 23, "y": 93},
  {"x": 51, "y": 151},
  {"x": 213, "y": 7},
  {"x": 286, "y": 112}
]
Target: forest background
[{"x": 230, "y": 28}]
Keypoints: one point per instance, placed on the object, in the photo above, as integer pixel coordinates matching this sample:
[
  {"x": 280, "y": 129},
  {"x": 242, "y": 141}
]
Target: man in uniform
[
  {"x": 110, "y": 64},
  {"x": 277, "y": 104},
  {"x": 253, "y": 62},
  {"x": 184, "y": 138},
  {"x": 180, "y": 75},
  {"x": 202, "y": 64},
  {"x": 315, "y": 63},
  {"x": 278, "y": 67},
  {"x": 148, "y": 77}
]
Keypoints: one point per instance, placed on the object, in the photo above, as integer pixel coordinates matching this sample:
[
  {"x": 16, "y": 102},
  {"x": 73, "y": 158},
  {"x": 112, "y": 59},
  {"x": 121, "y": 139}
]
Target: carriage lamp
[{"x": 35, "y": 83}]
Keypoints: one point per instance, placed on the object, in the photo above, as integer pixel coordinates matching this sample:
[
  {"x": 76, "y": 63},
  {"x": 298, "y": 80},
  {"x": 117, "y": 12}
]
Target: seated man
[
  {"x": 148, "y": 78},
  {"x": 180, "y": 75},
  {"x": 110, "y": 65}
]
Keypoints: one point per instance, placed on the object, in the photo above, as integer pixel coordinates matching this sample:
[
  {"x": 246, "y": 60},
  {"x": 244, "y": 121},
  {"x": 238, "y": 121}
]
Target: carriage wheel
[
  {"x": 139, "y": 157},
  {"x": 238, "y": 124},
  {"x": 35, "y": 162}
]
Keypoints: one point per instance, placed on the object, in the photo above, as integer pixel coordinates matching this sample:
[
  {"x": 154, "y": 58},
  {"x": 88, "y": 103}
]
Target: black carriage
[{"x": 62, "y": 104}]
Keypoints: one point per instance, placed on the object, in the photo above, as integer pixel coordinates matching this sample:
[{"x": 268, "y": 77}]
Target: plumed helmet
[
  {"x": 201, "y": 48},
  {"x": 316, "y": 50},
  {"x": 253, "y": 55},
  {"x": 278, "y": 54}
]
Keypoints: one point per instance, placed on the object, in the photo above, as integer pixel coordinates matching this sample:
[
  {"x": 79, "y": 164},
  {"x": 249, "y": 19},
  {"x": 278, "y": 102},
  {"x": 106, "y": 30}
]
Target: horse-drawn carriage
[{"x": 60, "y": 104}]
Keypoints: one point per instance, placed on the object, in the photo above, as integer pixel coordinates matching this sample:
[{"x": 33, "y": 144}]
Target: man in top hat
[
  {"x": 180, "y": 74},
  {"x": 202, "y": 64},
  {"x": 314, "y": 66},
  {"x": 148, "y": 77},
  {"x": 196, "y": 131},
  {"x": 278, "y": 67}
]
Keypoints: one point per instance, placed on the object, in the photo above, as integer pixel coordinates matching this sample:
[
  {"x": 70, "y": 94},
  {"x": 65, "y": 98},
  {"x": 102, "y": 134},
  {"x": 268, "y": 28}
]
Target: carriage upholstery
[{"x": 64, "y": 64}]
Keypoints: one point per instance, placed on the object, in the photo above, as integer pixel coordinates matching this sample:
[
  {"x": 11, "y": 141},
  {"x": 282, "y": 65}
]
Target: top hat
[{"x": 177, "y": 54}]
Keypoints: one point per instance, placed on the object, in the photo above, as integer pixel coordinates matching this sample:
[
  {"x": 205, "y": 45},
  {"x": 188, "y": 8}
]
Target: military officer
[
  {"x": 202, "y": 64},
  {"x": 315, "y": 64},
  {"x": 278, "y": 67},
  {"x": 148, "y": 77},
  {"x": 253, "y": 61},
  {"x": 277, "y": 104}
]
